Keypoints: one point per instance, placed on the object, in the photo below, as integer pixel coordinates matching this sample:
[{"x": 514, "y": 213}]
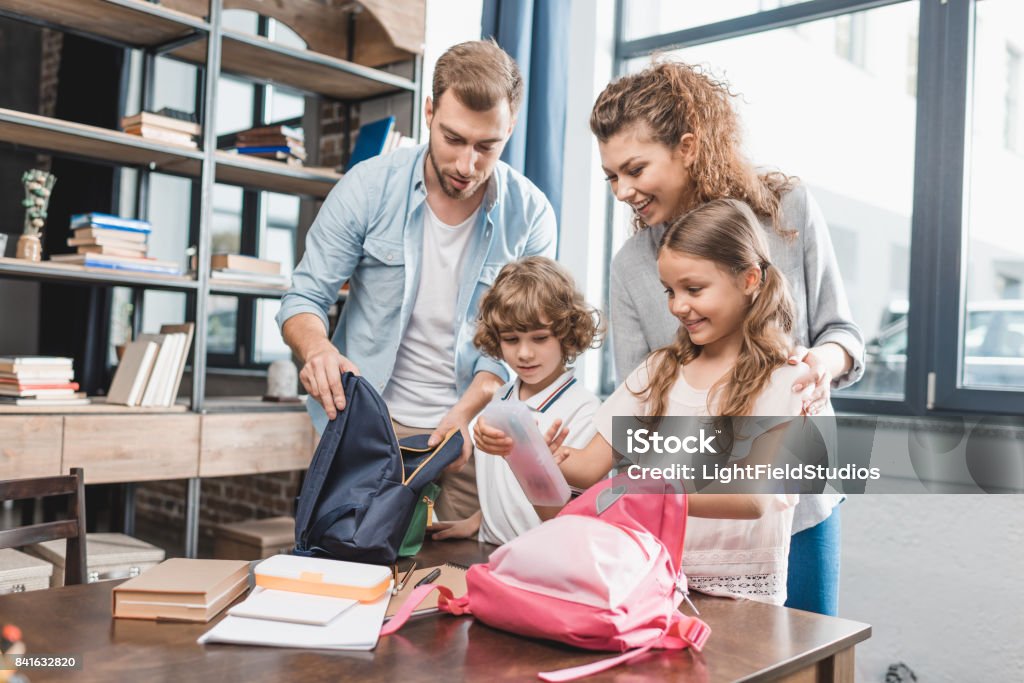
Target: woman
[{"x": 670, "y": 142}]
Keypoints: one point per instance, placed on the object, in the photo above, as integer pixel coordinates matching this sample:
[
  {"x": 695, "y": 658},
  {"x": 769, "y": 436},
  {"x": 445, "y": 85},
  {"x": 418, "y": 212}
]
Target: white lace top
[{"x": 738, "y": 558}]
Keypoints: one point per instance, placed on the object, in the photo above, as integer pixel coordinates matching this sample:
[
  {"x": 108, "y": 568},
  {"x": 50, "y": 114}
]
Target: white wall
[{"x": 938, "y": 577}]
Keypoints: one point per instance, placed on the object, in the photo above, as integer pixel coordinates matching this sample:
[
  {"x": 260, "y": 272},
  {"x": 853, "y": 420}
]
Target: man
[{"x": 420, "y": 234}]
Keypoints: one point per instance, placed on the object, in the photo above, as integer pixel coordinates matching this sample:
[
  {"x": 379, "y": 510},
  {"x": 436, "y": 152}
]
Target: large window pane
[
  {"x": 234, "y": 105},
  {"x": 850, "y": 139},
  {"x": 644, "y": 18},
  {"x": 226, "y": 233},
  {"x": 222, "y": 316},
  {"x": 992, "y": 343},
  {"x": 277, "y": 243}
]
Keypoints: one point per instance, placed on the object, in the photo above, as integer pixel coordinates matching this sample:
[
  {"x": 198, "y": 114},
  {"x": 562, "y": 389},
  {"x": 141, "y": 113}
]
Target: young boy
[{"x": 535, "y": 320}]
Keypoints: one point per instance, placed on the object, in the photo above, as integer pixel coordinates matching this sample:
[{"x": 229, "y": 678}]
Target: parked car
[{"x": 993, "y": 350}]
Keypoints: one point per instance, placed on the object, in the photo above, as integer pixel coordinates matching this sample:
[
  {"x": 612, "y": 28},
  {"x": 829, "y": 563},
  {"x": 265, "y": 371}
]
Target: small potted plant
[{"x": 38, "y": 187}]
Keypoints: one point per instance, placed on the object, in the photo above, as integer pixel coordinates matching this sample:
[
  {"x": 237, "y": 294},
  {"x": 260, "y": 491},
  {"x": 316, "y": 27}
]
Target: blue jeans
[{"x": 813, "y": 581}]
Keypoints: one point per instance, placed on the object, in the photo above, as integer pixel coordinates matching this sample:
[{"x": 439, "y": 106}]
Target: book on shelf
[
  {"x": 292, "y": 145},
  {"x": 132, "y": 373},
  {"x": 271, "y": 131},
  {"x": 108, "y": 250},
  {"x": 146, "y": 118},
  {"x": 164, "y": 368},
  {"x": 39, "y": 391},
  {"x": 113, "y": 236},
  {"x": 182, "y": 589},
  {"x": 106, "y": 242},
  {"x": 109, "y": 222},
  {"x": 44, "y": 373},
  {"x": 77, "y": 399},
  {"x": 275, "y": 150},
  {"x": 188, "y": 330},
  {"x": 249, "y": 264},
  {"x": 246, "y": 276},
  {"x": 16, "y": 364},
  {"x": 153, "y": 382},
  {"x": 371, "y": 139},
  {"x": 126, "y": 263},
  {"x": 159, "y": 134},
  {"x": 275, "y": 156}
]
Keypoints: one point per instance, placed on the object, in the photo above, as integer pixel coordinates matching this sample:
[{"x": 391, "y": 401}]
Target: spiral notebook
[{"x": 452, "y": 576}]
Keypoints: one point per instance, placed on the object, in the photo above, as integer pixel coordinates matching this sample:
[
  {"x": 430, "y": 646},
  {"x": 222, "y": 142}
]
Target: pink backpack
[{"x": 605, "y": 574}]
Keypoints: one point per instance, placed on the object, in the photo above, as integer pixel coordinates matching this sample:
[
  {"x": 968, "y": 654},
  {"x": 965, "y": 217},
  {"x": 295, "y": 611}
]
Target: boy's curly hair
[{"x": 532, "y": 293}]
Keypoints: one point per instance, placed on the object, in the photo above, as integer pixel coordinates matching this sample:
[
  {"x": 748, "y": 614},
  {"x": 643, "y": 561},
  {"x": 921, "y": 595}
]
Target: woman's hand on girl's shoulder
[{"x": 816, "y": 380}]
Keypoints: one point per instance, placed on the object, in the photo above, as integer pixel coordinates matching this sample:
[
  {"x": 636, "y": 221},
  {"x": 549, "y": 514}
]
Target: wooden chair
[{"x": 72, "y": 528}]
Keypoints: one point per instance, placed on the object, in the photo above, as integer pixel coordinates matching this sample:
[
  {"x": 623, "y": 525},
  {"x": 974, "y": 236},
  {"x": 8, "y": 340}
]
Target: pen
[
  {"x": 405, "y": 579},
  {"x": 428, "y": 578}
]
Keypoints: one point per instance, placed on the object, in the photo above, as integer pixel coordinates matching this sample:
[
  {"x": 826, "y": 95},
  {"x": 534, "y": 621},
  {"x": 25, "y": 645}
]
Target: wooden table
[{"x": 750, "y": 642}]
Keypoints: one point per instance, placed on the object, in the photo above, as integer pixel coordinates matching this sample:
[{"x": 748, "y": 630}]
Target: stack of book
[
  {"x": 113, "y": 242},
  {"x": 180, "y": 589},
  {"x": 39, "y": 381},
  {"x": 247, "y": 269},
  {"x": 283, "y": 143},
  {"x": 150, "y": 370},
  {"x": 170, "y": 126}
]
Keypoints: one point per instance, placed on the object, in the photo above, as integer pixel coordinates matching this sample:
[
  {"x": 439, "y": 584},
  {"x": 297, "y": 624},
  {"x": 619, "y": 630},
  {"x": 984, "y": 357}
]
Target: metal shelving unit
[{"x": 203, "y": 41}]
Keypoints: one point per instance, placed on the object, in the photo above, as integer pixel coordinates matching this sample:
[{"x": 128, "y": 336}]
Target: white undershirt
[{"x": 422, "y": 386}]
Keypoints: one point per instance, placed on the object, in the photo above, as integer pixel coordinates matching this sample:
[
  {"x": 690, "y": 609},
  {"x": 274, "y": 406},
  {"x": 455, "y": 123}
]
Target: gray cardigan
[{"x": 641, "y": 322}]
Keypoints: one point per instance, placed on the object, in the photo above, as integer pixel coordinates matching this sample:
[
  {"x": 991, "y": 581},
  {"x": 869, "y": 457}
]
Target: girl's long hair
[
  {"x": 671, "y": 99},
  {"x": 726, "y": 231}
]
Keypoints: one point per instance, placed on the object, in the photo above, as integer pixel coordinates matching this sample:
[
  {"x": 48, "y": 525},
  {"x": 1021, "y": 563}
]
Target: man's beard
[{"x": 447, "y": 187}]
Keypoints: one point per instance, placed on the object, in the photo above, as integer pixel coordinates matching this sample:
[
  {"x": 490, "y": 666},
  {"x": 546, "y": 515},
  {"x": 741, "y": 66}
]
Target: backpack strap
[
  {"x": 683, "y": 632},
  {"x": 446, "y": 602},
  {"x": 325, "y": 522}
]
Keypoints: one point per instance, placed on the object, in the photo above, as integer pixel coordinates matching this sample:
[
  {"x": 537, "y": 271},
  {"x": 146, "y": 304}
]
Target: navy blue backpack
[{"x": 362, "y": 487}]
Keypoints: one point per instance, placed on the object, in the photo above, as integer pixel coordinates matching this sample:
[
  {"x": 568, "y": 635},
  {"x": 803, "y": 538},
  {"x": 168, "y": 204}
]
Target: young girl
[
  {"x": 729, "y": 358},
  {"x": 670, "y": 141},
  {"x": 535, "y": 320}
]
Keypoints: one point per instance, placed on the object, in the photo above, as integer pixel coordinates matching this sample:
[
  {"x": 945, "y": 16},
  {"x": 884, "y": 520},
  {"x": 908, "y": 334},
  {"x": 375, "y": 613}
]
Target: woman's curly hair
[
  {"x": 671, "y": 99},
  {"x": 533, "y": 293}
]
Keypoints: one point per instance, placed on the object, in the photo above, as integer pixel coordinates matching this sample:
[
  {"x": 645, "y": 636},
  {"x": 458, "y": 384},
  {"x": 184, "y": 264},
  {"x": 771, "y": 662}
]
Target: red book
[{"x": 39, "y": 385}]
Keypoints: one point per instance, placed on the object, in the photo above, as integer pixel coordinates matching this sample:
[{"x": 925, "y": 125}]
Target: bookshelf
[{"x": 356, "y": 52}]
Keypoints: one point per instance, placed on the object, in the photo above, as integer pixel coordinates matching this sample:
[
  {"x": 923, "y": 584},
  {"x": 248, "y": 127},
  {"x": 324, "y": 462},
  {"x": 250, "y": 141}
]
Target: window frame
[{"x": 938, "y": 232}]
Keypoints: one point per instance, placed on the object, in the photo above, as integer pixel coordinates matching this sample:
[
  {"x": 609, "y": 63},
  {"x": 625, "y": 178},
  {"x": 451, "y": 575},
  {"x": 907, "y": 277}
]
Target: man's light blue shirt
[{"x": 369, "y": 233}]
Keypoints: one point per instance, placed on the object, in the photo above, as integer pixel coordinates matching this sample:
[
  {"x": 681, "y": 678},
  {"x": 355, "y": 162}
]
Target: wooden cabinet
[
  {"x": 30, "y": 445},
  {"x": 234, "y": 443},
  {"x": 154, "y": 447}
]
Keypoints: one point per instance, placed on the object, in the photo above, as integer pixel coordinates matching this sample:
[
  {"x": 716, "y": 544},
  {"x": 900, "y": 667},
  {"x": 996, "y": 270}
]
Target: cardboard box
[
  {"x": 20, "y": 572},
  {"x": 254, "y": 539},
  {"x": 108, "y": 556}
]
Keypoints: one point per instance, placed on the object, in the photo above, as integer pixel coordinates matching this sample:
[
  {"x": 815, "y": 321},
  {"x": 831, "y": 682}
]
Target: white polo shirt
[{"x": 506, "y": 510}]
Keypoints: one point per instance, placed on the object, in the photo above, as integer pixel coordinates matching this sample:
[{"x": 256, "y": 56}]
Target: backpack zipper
[
  {"x": 430, "y": 509},
  {"x": 437, "y": 449}
]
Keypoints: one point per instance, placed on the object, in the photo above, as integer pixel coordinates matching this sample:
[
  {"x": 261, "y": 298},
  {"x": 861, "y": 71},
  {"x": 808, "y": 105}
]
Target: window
[
  {"x": 242, "y": 330},
  {"x": 1013, "y": 113},
  {"x": 919, "y": 192},
  {"x": 833, "y": 143},
  {"x": 992, "y": 309},
  {"x": 643, "y": 18}
]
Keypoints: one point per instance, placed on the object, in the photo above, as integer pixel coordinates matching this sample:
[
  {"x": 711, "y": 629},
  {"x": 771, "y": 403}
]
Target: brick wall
[
  {"x": 332, "y": 133},
  {"x": 222, "y": 500},
  {"x": 49, "y": 66}
]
